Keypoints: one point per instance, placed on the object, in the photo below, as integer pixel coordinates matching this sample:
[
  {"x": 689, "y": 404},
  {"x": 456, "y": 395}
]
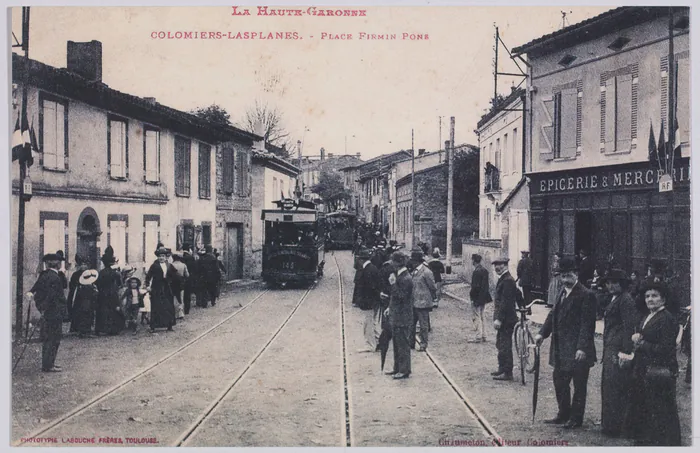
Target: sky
[{"x": 348, "y": 96}]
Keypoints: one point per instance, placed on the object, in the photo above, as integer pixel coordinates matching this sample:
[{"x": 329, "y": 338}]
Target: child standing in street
[{"x": 132, "y": 302}]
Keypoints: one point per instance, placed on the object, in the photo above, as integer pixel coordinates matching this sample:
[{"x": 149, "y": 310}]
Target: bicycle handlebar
[{"x": 527, "y": 307}]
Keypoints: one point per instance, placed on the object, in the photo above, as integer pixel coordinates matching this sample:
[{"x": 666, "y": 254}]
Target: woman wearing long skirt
[
  {"x": 110, "y": 318},
  {"x": 621, "y": 318},
  {"x": 652, "y": 413},
  {"x": 84, "y": 303},
  {"x": 160, "y": 279},
  {"x": 73, "y": 285}
]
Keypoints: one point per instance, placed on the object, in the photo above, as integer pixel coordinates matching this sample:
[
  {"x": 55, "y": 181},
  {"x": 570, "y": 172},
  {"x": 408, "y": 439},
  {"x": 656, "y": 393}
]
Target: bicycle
[{"x": 523, "y": 339}]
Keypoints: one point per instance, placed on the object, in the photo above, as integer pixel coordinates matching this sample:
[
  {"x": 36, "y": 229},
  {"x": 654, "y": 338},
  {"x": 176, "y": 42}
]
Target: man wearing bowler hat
[
  {"x": 571, "y": 324},
  {"x": 504, "y": 319},
  {"x": 51, "y": 303}
]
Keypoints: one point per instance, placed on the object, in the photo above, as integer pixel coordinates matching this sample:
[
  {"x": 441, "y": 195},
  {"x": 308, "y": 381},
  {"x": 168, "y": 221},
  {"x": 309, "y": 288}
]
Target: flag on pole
[
  {"x": 653, "y": 155},
  {"x": 20, "y": 140},
  {"x": 676, "y": 139},
  {"x": 34, "y": 145},
  {"x": 661, "y": 149}
]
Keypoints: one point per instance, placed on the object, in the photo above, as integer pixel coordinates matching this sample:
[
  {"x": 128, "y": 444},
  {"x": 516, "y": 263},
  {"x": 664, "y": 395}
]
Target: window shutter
[
  {"x": 683, "y": 99},
  {"x": 109, "y": 148},
  {"x": 624, "y": 112},
  {"x": 187, "y": 145},
  {"x": 610, "y": 114},
  {"x": 227, "y": 164},
  {"x": 546, "y": 114},
  {"x": 178, "y": 166},
  {"x": 179, "y": 233},
  {"x": 569, "y": 100},
  {"x": 60, "y": 148}
]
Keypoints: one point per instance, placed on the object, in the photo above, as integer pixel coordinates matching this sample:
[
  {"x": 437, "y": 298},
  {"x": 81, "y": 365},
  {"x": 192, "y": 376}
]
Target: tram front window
[{"x": 277, "y": 233}]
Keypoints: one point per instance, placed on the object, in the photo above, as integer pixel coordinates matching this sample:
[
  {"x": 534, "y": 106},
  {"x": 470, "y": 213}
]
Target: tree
[
  {"x": 214, "y": 114},
  {"x": 466, "y": 181},
  {"x": 331, "y": 190},
  {"x": 267, "y": 121}
]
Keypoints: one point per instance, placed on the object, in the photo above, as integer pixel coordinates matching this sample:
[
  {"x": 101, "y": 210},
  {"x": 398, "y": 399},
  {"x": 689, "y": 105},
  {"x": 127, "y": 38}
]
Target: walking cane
[
  {"x": 26, "y": 329},
  {"x": 26, "y": 343}
]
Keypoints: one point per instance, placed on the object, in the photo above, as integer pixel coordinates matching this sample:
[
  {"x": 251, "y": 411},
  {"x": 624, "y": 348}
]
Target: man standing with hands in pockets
[{"x": 571, "y": 323}]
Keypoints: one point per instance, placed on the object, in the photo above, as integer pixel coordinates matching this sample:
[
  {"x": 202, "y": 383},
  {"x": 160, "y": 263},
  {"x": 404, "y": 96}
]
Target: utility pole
[
  {"x": 671, "y": 124},
  {"x": 440, "y": 133},
  {"x": 413, "y": 194},
  {"x": 22, "y": 174},
  {"x": 495, "y": 71},
  {"x": 450, "y": 190}
]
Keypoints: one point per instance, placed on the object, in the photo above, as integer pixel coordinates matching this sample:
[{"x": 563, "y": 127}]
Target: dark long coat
[
  {"x": 73, "y": 285},
  {"x": 571, "y": 323},
  {"x": 504, "y": 305},
  {"x": 367, "y": 287},
  {"x": 652, "y": 413},
  {"x": 524, "y": 272},
  {"x": 385, "y": 287},
  {"x": 49, "y": 296},
  {"x": 401, "y": 301},
  {"x": 110, "y": 318},
  {"x": 621, "y": 318},
  {"x": 83, "y": 309},
  {"x": 162, "y": 306},
  {"x": 479, "y": 292}
]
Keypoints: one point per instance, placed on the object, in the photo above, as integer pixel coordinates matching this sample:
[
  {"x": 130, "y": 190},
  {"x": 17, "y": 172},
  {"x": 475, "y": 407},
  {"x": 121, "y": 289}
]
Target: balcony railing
[{"x": 492, "y": 179}]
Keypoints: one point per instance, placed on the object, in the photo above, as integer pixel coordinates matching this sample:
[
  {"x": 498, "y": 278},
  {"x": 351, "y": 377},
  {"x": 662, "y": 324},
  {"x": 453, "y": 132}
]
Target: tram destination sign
[{"x": 642, "y": 175}]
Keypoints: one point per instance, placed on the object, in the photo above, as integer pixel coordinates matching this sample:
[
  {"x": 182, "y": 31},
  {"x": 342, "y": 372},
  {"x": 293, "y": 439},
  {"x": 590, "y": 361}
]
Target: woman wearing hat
[
  {"x": 84, "y": 303},
  {"x": 652, "y": 413},
  {"x": 160, "y": 279},
  {"x": 110, "y": 318},
  {"x": 73, "y": 284},
  {"x": 621, "y": 317}
]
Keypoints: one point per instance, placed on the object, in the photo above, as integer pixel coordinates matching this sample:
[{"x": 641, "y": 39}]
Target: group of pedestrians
[
  {"x": 109, "y": 301},
  {"x": 398, "y": 293},
  {"x": 640, "y": 367}
]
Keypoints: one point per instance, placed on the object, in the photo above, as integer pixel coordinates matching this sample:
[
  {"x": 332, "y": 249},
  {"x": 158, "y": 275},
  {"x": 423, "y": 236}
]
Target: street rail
[
  {"x": 209, "y": 411},
  {"x": 348, "y": 438},
  {"x": 489, "y": 431},
  {"x": 86, "y": 405}
]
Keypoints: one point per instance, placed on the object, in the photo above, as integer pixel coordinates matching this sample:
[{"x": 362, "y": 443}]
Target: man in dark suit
[
  {"x": 208, "y": 276},
  {"x": 504, "y": 319},
  {"x": 51, "y": 303},
  {"x": 189, "y": 261},
  {"x": 480, "y": 296},
  {"x": 525, "y": 276},
  {"x": 367, "y": 289},
  {"x": 400, "y": 313},
  {"x": 586, "y": 268},
  {"x": 571, "y": 323}
]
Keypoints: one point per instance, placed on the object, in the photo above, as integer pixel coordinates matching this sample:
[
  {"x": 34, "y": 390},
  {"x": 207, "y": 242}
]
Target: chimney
[
  {"x": 421, "y": 151},
  {"x": 358, "y": 155},
  {"x": 85, "y": 59},
  {"x": 323, "y": 153},
  {"x": 330, "y": 155},
  {"x": 151, "y": 101}
]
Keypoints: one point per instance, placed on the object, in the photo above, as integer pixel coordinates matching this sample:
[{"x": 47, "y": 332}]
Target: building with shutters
[
  {"x": 503, "y": 196},
  {"x": 116, "y": 169},
  {"x": 596, "y": 91}
]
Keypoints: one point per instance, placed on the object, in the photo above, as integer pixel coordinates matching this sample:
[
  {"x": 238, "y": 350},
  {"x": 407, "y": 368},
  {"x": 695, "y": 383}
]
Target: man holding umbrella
[{"x": 571, "y": 323}]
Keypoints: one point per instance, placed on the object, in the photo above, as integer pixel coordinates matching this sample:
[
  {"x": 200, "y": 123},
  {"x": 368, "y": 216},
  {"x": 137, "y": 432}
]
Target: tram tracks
[
  {"x": 346, "y": 410},
  {"x": 133, "y": 378}
]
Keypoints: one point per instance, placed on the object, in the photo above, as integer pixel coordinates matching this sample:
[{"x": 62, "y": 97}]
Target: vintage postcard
[{"x": 350, "y": 226}]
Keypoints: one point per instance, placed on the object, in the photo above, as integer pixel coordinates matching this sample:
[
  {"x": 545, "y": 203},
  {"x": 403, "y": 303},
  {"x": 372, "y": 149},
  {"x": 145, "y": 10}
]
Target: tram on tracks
[
  {"x": 294, "y": 247},
  {"x": 340, "y": 227}
]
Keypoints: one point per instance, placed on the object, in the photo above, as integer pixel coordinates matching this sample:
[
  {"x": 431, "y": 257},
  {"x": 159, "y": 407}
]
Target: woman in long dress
[
  {"x": 110, "y": 318},
  {"x": 621, "y": 318},
  {"x": 84, "y": 303},
  {"x": 160, "y": 280},
  {"x": 73, "y": 285},
  {"x": 652, "y": 413}
]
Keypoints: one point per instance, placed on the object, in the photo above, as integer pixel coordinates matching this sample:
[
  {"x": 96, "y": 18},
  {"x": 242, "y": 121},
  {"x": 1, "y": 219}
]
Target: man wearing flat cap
[
  {"x": 50, "y": 300},
  {"x": 504, "y": 319},
  {"x": 480, "y": 296},
  {"x": 571, "y": 324},
  {"x": 525, "y": 276}
]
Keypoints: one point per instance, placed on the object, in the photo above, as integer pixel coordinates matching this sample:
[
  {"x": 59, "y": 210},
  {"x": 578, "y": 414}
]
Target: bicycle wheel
[
  {"x": 520, "y": 349},
  {"x": 529, "y": 356}
]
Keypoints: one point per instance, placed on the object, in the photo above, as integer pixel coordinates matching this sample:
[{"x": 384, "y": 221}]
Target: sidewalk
[{"x": 460, "y": 292}]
